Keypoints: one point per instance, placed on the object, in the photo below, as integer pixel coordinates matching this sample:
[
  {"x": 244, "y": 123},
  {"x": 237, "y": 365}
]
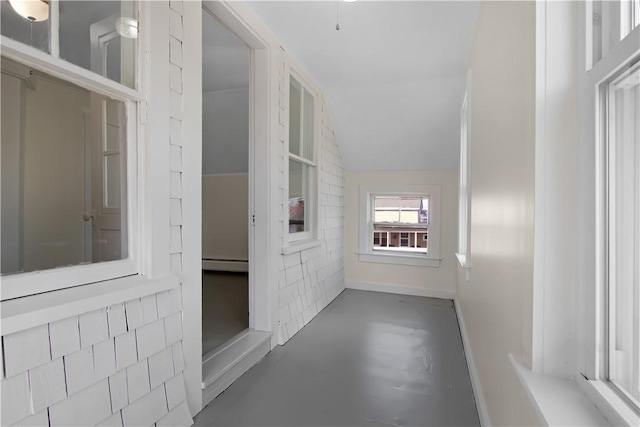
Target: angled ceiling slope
[{"x": 393, "y": 76}]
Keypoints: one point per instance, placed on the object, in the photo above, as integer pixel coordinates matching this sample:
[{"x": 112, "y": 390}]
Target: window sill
[
  {"x": 608, "y": 402},
  {"x": 301, "y": 246},
  {"x": 401, "y": 259},
  {"x": 558, "y": 401},
  {"x": 27, "y": 312}
]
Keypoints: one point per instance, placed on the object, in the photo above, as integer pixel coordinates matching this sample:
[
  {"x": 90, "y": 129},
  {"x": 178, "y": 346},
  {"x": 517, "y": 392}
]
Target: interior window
[{"x": 63, "y": 173}]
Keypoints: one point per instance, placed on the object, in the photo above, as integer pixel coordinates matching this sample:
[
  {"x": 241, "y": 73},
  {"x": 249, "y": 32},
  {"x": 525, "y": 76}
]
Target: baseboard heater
[{"x": 231, "y": 265}]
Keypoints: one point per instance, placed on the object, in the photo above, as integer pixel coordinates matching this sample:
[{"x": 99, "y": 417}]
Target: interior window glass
[
  {"x": 63, "y": 173},
  {"x": 101, "y": 36},
  {"x": 26, "y": 22}
]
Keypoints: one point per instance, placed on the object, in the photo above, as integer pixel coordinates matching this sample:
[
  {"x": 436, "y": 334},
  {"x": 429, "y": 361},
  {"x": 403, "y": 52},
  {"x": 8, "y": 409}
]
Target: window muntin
[
  {"x": 622, "y": 358},
  {"x": 118, "y": 161},
  {"x": 400, "y": 223},
  {"x": 302, "y": 167}
]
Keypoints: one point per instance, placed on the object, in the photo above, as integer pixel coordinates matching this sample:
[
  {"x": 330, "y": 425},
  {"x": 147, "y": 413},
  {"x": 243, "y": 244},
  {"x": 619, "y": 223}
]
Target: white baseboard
[
  {"x": 399, "y": 289},
  {"x": 481, "y": 405}
]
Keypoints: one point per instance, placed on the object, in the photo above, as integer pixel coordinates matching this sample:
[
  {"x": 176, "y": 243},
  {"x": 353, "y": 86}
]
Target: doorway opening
[
  {"x": 236, "y": 323},
  {"x": 225, "y": 184}
]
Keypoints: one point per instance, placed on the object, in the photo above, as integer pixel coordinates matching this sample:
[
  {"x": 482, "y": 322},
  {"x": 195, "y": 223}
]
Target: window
[
  {"x": 612, "y": 21},
  {"x": 400, "y": 224},
  {"x": 302, "y": 164},
  {"x": 68, "y": 146},
  {"x": 464, "y": 201},
  {"x": 622, "y": 235}
]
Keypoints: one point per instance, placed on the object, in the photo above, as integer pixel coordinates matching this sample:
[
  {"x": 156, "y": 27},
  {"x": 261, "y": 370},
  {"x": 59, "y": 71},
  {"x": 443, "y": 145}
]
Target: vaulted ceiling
[{"x": 393, "y": 75}]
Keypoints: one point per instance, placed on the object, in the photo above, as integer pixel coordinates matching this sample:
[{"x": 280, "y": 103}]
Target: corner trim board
[{"x": 481, "y": 404}]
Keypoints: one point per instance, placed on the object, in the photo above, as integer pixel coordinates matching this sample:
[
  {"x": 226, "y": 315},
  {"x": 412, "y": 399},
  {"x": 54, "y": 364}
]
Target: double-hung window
[
  {"x": 400, "y": 224},
  {"x": 302, "y": 185},
  {"x": 70, "y": 96},
  {"x": 621, "y": 310}
]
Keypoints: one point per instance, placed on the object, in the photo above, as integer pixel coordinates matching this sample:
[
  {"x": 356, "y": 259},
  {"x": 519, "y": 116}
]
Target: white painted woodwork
[
  {"x": 126, "y": 350},
  {"x": 93, "y": 327},
  {"x": 150, "y": 339},
  {"x": 104, "y": 359},
  {"x": 114, "y": 420},
  {"x": 146, "y": 410},
  {"x": 117, "y": 320},
  {"x": 179, "y": 416},
  {"x": 16, "y": 359},
  {"x": 88, "y": 407},
  {"x": 173, "y": 328},
  {"x": 47, "y": 384},
  {"x": 16, "y": 401},
  {"x": 149, "y": 308},
  {"x": 64, "y": 336},
  {"x": 79, "y": 370},
  {"x": 138, "y": 383},
  {"x": 135, "y": 317},
  {"x": 161, "y": 367},
  {"x": 118, "y": 391},
  {"x": 175, "y": 391}
]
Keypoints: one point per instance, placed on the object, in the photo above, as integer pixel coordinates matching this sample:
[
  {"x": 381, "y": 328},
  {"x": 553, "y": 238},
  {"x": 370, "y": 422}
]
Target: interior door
[{"x": 107, "y": 175}]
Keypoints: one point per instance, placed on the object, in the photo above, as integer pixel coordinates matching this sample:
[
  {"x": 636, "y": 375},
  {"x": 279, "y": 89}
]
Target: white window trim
[
  {"x": 31, "y": 283},
  {"x": 366, "y": 252},
  {"x": 463, "y": 253},
  {"x": 295, "y": 242}
]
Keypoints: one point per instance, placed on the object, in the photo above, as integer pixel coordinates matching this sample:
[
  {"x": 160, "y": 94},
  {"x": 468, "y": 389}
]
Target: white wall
[
  {"x": 497, "y": 301},
  {"x": 225, "y": 217},
  {"x": 225, "y": 131},
  {"x": 437, "y": 280}
]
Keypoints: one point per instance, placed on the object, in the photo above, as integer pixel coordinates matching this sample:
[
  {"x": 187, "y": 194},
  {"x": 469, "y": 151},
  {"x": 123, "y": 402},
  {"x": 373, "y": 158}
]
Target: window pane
[
  {"x": 408, "y": 210},
  {"x": 295, "y": 112},
  {"x": 16, "y": 25},
  {"x": 307, "y": 149},
  {"x": 299, "y": 192},
  {"x": 401, "y": 223},
  {"x": 624, "y": 235},
  {"x": 101, "y": 36},
  {"x": 55, "y": 173}
]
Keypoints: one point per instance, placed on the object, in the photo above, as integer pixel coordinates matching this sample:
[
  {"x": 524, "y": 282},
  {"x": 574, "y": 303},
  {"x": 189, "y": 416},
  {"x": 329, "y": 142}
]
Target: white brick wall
[
  {"x": 120, "y": 365},
  {"x": 309, "y": 280}
]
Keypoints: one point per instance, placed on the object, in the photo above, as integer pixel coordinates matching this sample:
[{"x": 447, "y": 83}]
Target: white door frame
[{"x": 259, "y": 165}]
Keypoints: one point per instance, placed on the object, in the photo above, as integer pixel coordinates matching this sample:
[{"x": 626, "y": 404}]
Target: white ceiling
[
  {"x": 393, "y": 76},
  {"x": 225, "y": 58}
]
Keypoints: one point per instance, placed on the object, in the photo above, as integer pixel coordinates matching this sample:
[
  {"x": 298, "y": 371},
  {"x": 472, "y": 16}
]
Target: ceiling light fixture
[
  {"x": 127, "y": 27},
  {"x": 31, "y": 10}
]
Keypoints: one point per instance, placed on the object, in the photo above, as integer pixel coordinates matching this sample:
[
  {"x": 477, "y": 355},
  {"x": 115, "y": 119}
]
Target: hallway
[{"x": 367, "y": 359}]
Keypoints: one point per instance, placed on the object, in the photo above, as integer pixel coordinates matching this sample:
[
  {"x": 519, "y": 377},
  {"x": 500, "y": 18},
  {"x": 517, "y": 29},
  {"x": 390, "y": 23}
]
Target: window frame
[
  {"x": 591, "y": 324},
  {"x": 463, "y": 253},
  {"x": 301, "y": 240},
  {"x": 30, "y": 283},
  {"x": 366, "y": 251}
]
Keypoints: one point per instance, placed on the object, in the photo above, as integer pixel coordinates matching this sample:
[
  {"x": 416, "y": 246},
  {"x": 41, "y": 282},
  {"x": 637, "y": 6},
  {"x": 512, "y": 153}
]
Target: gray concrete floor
[
  {"x": 225, "y": 307},
  {"x": 368, "y": 359}
]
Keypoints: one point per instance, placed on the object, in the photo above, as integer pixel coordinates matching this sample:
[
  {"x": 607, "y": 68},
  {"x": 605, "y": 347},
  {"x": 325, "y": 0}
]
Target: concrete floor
[
  {"x": 368, "y": 359},
  {"x": 225, "y": 307}
]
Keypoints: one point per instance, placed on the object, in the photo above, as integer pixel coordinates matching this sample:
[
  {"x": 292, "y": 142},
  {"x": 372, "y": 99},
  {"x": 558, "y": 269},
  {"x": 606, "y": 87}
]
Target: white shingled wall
[
  {"x": 310, "y": 279},
  {"x": 121, "y": 365}
]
